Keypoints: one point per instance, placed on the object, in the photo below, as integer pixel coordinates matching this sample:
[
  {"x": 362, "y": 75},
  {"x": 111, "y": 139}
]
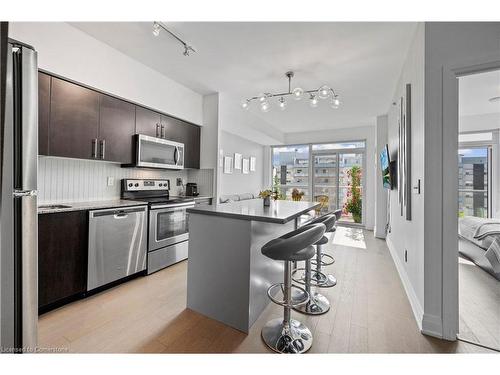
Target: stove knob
[
  {"x": 130, "y": 185},
  {"x": 160, "y": 185},
  {"x": 136, "y": 184}
]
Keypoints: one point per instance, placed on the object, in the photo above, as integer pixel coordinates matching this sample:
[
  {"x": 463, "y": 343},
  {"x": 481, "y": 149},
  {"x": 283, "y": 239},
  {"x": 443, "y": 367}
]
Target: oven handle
[{"x": 177, "y": 205}]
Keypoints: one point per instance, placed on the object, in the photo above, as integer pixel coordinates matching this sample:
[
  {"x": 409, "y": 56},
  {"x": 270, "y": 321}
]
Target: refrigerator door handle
[
  {"x": 29, "y": 122},
  {"x": 24, "y": 193}
]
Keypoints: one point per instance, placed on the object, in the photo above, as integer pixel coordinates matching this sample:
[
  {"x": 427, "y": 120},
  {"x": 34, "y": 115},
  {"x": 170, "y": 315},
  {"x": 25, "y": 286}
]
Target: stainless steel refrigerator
[{"x": 18, "y": 210}]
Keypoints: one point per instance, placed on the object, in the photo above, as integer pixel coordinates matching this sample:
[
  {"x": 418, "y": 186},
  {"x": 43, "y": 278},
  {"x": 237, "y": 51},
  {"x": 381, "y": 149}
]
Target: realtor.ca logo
[{"x": 30, "y": 349}]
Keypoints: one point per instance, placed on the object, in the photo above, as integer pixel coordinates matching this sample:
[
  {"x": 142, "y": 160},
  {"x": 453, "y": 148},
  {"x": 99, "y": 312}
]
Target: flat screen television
[{"x": 385, "y": 165}]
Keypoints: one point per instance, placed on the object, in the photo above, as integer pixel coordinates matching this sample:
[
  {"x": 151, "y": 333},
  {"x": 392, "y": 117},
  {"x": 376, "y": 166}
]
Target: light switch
[{"x": 111, "y": 181}]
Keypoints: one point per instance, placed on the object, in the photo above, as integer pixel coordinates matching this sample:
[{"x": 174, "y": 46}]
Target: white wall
[
  {"x": 447, "y": 46},
  {"x": 238, "y": 182},
  {"x": 381, "y": 193},
  {"x": 348, "y": 134},
  {"x": 409, "y": 235},
  {"x": 69, "y": 52}
]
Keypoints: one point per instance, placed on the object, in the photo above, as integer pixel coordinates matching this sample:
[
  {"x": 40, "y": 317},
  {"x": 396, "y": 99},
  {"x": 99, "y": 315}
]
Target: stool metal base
[
  {"x": 322, "y": 280},
  {"x": 318, "y": 304},
  {"x": 284, "y": 338},
  {"x": 298, "y": 297},
  {"x": 326, "y": 260},
  {"x": 317, "y": 278}
]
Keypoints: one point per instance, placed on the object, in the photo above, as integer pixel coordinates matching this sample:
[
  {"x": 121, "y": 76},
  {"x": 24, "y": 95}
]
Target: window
[
  {"x": 323, "y": 173},
  {"x": 473, "y": 182}
]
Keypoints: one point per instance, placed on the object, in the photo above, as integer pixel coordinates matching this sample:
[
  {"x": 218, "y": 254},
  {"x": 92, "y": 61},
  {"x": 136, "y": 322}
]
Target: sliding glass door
[{"x": 338, "y": 181}]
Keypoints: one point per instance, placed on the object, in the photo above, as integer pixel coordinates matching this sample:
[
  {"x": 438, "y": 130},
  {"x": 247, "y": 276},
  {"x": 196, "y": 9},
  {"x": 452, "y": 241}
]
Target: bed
[{"x": 479, "y": 241}]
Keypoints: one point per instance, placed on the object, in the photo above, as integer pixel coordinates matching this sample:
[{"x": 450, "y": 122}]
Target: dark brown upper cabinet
[
  {"x": 147, "y": 122},
  {"x": 43, "y": 113},
  {"x": 186, "y": 133},
  {"x": 82, "y": 123},
  {"x": 116, "y": 130},
  {"x": 74, "y": 120}
]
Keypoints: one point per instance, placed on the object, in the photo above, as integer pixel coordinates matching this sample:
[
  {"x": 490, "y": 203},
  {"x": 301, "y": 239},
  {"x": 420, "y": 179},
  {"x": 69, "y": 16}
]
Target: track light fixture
[
  {"x": 324, "y": 92},
  {"x": 158, "y": 26}
]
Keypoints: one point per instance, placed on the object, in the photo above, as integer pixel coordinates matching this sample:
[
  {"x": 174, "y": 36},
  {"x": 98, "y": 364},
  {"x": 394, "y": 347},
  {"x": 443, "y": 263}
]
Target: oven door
[
  {"x": 159, "y": 153},
  {"x": 168, "y": 225}
]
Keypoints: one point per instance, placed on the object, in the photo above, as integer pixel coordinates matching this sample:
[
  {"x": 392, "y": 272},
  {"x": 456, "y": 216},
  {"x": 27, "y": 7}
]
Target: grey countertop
[
  {"x": 89, "y": 205},
  {"x": 279, "y": 212}
]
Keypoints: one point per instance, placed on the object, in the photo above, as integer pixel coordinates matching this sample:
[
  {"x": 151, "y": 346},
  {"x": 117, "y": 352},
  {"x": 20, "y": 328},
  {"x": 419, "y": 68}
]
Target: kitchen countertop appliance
[
  {"x": 168, "y": 220},
  {"x": 192, "y": 189},
  {"x": 117, "y": 244}
]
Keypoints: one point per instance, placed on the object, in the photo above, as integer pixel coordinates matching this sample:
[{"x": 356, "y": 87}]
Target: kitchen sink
[{"x": 53, "y": 206}]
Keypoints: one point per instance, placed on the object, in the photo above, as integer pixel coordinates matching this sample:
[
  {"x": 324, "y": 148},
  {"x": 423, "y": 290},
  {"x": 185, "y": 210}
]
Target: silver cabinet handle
[
  {"x": 162, "y": 133},
  {"x": 103, "y": 148},
  {"x": 94, "y": 148},
  {"x": 120, "y": 216},
  {"x": 157, "y": 130}
]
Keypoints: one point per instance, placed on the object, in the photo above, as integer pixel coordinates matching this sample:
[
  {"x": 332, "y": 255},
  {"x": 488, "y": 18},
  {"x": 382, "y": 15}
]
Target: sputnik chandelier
[{"x": 265, "y": 99}]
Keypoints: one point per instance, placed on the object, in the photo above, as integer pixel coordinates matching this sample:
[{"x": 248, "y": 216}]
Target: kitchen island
[{"x": 228, "y": 277}]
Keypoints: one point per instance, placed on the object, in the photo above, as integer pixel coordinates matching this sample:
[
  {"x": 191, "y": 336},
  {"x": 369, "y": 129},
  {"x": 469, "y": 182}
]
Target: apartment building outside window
[{"x": 323, "y": 172}]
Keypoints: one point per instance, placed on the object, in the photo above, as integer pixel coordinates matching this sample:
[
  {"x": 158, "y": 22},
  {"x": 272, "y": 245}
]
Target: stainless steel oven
[
  {"x": 168, "y": 224},
  {"x": 152, "y": 152},
  {"x": 168, "y": 234}
]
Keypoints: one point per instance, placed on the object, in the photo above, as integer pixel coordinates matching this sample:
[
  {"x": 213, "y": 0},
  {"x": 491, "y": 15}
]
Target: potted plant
[
  {"x": 266, "y": 196},
  {"x": 297, "y": 195},
  {"x": 354, "y": 201}
]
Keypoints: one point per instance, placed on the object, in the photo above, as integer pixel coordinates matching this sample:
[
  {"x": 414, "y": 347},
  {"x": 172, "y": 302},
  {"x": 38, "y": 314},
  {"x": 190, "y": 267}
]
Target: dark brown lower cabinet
[{"x": 62, "y": 256}]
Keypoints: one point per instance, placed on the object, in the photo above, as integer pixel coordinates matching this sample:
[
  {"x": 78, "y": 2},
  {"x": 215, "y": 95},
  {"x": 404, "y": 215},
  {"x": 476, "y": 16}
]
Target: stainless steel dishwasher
[{"x": 117, "y": 244}]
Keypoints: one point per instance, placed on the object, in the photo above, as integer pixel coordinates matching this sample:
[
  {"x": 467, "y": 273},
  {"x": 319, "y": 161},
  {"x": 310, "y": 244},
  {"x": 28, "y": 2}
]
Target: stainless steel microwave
[{"x": 152, "y": 152}]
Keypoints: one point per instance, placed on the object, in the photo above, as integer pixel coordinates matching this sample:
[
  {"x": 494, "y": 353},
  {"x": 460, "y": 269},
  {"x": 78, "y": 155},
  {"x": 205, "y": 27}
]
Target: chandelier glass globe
[
  {"x": 324, "y": 92},
  {"x": 297, "y": 93},
  {"x": 265, "y": 106}
]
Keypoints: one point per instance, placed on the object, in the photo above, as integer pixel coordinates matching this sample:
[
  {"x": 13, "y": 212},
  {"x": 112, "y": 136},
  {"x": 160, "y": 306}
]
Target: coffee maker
[{"x": 192, "y": 189}]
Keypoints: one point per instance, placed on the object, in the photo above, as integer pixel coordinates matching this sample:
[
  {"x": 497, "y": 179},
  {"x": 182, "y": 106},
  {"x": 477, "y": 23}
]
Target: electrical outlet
[
  {"x": 111, "y": 181},
  {"x": 179, "y": 181},
  {"x": 406, "y": 256}
]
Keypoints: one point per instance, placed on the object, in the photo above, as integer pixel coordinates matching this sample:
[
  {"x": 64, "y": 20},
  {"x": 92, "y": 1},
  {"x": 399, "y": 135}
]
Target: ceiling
[
  {"x": 475, "y": 91},
  {"x": 361, "y": 61}
]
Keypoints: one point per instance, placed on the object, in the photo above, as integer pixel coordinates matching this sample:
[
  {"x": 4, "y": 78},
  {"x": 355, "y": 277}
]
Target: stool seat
[
  {"x": 297, "y": 241},
  {"x": 328, "y": 220},
  {"x": 323, "y": 241},
  {"x": 304, "y": 254}
]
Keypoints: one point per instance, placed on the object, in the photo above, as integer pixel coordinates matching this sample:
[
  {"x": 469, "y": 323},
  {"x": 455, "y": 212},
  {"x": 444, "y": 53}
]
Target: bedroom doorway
[{"x": 479, "y": 209}]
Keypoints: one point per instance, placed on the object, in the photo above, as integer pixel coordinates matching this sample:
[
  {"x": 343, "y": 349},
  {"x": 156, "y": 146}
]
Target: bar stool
[
  {"x": 286, "y": 335},
  {"x": 318, "y": 304},
  {"x": 318, "y": 278}
]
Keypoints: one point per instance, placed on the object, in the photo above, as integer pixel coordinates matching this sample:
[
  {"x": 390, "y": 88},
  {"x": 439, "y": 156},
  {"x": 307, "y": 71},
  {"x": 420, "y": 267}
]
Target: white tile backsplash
[
  {"x": 74, "y": 180},
  {"x": 204, "y": 178}
]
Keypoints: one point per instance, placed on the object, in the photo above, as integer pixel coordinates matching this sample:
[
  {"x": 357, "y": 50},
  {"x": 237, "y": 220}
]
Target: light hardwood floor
[
  {"x": 370, "y": 313},
  {"x": 479, "y": 300}
]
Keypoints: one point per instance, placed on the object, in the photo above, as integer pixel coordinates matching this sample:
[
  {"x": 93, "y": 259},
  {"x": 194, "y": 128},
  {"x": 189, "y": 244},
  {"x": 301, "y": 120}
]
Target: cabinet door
[
  {"x": 43, "y": 113},
  {"x": 184, "y": 132},
  {"x": 192, "y": 152},
  {"x": 147, "y": 122},
  {"x": 74, "y": 119},
  {"x": 62, "y": 256},
  {"x": 116, "y": 130}
]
